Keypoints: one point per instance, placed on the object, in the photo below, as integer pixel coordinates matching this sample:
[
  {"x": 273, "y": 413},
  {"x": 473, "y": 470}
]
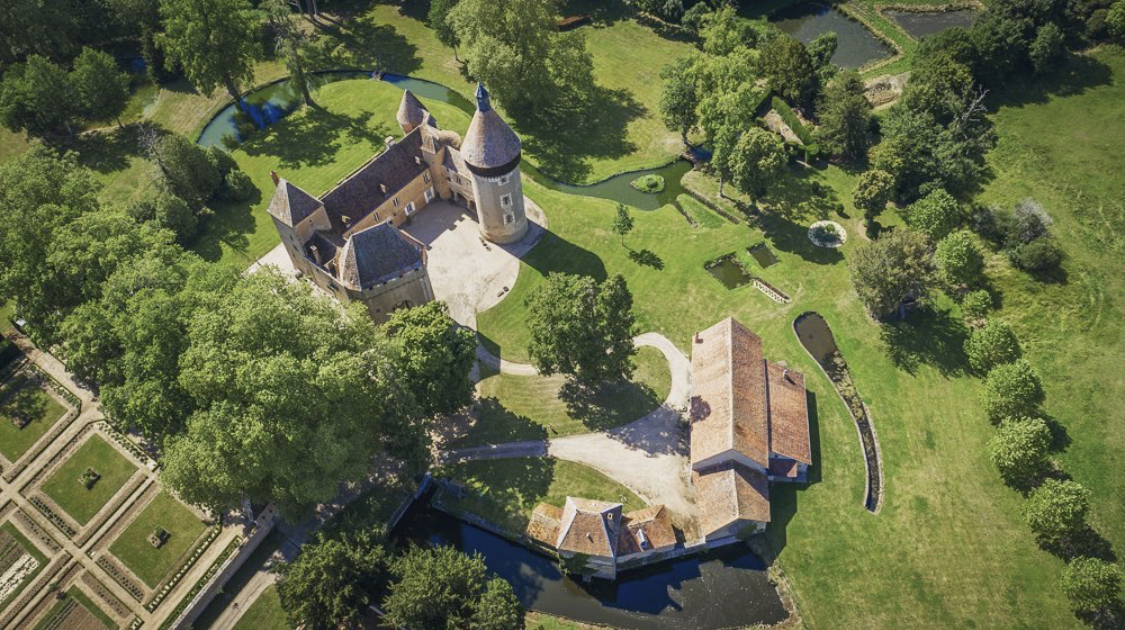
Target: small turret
[{"x": 411, "y": 112}]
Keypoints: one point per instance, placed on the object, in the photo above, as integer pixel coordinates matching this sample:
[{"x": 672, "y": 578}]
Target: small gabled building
[{"x": 749, "y": 427}]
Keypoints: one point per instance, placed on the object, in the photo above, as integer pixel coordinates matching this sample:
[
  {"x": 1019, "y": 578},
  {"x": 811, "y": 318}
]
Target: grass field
[
  {"x": 264, "y": 614},
  {"x": 20, "y": 396},
  {"x": 149, "y": 563},
  {"x": 71, "y": 495},
  {"x": 29, "y": 548},
  {"x": 515, "y": 408},
  {"x": 506, "y": 491}
]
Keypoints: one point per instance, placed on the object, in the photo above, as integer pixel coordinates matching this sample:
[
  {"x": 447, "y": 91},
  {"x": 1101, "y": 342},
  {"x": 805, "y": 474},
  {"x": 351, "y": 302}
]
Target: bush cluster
[{"x": 1023, "y": 233}]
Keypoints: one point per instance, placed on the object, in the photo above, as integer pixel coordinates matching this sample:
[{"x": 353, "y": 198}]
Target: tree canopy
[
  {"x": 1056, "y": 511},
  {"x": 845, "y": 117},
  {"x": 214, "y": 41},
  {"x": 101, "y": 87},
  {"x": 873, "y": 190},
  {"x": 333, "y": 580},
  {"x": 435, "y": 357},
  {"x": 582, "y": 328},
  {"x": 1019, "y": 450},
  {"x": 1091, "y": 584},
  {"x": 889, "y": 270},
  {"x": 935, "y": 215},
  {"x": 959, "y": 259},
  {"x": 757, "y": 160},
  {"x": 37, "y": 97},
  {"x": 1012, "y": 390},
  {"x": 993, "y": 344}
]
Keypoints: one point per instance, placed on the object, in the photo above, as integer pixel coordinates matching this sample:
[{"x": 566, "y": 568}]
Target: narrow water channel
[
  {"x": 723, "y": 590},
  {"x": 816, "y": 337}
]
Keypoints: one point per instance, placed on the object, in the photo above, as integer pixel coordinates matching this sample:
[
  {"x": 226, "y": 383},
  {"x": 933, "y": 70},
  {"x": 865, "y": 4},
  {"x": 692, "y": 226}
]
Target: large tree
[
  {"x": 188, "y": 171},
  {"x": 435, "y": 356},
  {"x": 444, "y": 589},
  {"x": 40, "y": 192},
  {"x": 1056, "y": 512},
  {"x": 757, "y": 161},
  {"x": 214, "y": 41},
  {"x": 287, "y": 42},
  {"x": 936, "y": 215},
  {"x": 293, "y": 397},
  {"x": 438, "y": 20},
  {"x": 886, "y": 272},
  {"x": 789, "y": 68},
  {"x": 582, "y": 328},
  {"x": 37, "y": 97},
  {"x": 1012, "y": 390},
  {"x": 38, "y": 27},
  {"x": 1019, "y": 450},
  {"x": 101, "y": 87},
  {"x": 844, "y": 114},
  {"x": 993, "y": 344},
  {"x": 724, "y": 32},
  {"x": 1091, "y": 584},
  {"x": 516, "y": 50},
  {"x": 873, "y": 190},
  {"x": 959, "y": 259},
  {"x": 679, "y": 100},
  {"x": 333, "y": 580}
]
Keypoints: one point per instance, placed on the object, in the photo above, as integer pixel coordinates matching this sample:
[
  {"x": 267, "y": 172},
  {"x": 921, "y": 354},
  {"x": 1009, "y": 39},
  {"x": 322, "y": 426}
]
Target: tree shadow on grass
[
  {"x": 795, "y": 202},
  {"x": 561, "y": 151},
  {"x": 498, "y": 424},
  {"x": 1078, "y": 74},
  {"x": 22, "y": 403},
  {"x": 314, "y": 137},
  {"x": 361, "y": 44},
  {"x": 930, "y": 337},
  {"x": 503, "y": 490},
  {"x": 605, "y": 406},
  {"x": 230, "y": 223},
  {"x": 110, "y": 150},
  {"x": 647, "y": 258}
]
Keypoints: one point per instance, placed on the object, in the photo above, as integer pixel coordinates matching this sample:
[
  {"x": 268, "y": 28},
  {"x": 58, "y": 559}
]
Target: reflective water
[
  {"x": 856, "y": 45},
  {"x": 763, "y": 254},
  {"x": 919, "y": 24},
  {"x": 722, "y": 590},
  {"x": 728, "y": 271}
]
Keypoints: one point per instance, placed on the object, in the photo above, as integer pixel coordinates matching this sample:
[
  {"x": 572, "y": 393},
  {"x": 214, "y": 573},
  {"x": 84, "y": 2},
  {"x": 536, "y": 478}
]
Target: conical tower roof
[
  {"x": 411, "y": 112},
  {"x": 490, "y": 147}
]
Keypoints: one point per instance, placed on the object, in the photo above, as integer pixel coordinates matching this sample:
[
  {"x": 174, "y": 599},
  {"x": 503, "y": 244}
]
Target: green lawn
[
  {"x": 149, "y": 563},
  {"x": 516, "y": 408},
  {"x": 24, "y": 397},
  {"x": 949, "y": 548},
  {"x": 71, "y": 495},
  {"x": 264, "y": 614},
  {"x": 29, "y": 548},
  {"x": 314, "y": 149},
  {"x": 506, "y": 491},
  {"x": 84, "y": 601}
]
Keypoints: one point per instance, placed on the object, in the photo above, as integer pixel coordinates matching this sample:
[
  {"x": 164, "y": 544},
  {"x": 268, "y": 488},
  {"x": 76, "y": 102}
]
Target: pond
[
  {"x": 725, "y": 589},
  {"x": 728, "y": 271},
  {"x": 856, "y": 46},
  {"x": 763, "y": 254},
  {"x": 920, "y": 24},
  {"x": 815, "y": 335},
  {"x": 275, "y": 101}
]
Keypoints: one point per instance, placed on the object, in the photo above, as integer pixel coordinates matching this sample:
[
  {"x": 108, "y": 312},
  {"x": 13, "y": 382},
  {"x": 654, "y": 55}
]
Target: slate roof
[
  {"x": 589, "y": 527},
  {"x": 375, "y": 255},
  {"x": 359, "y": 194},
  {"x": 789, "y": 414},
  {"x": 291, "y": 205},
  {"x": 728, "y": 493},
  {"x": 728, "y": 402},
  {"x": 326, "y": 245},
  {"x": 411, "y": 111},
  {"x": 490, "y": 148}
]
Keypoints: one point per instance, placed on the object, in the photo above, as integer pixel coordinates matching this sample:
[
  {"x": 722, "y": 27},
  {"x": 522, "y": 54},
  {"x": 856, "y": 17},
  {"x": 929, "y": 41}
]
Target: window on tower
[
  {"x": 504, "y": 179},
  {"x": 506, "y": 201}
]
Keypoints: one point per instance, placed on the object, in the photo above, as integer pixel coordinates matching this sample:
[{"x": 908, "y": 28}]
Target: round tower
[{"x": 491, "y": 150}]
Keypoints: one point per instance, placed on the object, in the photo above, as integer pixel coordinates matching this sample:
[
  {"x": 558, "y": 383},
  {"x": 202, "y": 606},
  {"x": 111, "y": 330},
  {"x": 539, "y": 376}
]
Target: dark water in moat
[
  {"x": 816, "y": 337},
  {"x": 722, "y": 590},
  {"x": 728, "y": 271},
  {"x": 922, "y": 24},
  {"x": 856, "y": 45}
]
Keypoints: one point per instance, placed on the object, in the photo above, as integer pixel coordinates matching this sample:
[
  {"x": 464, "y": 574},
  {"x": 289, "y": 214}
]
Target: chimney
[
  {"x": 785, "y": 374},
  {"x": 346, "y": 219},
  {"x": 389, "y": 141},
  {"x": 698, "y": 339},
  {"x": 276, "y": 178},
  {"x": 315, "y": 253},
  {"x": 417, "y": 159}
]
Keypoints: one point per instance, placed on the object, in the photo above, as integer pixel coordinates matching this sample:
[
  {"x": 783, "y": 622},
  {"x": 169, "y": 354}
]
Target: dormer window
[
  {"x": 395, "y": 202},
  {"x": 418, "y": 159},
  {"x": 383, "y": 188}
]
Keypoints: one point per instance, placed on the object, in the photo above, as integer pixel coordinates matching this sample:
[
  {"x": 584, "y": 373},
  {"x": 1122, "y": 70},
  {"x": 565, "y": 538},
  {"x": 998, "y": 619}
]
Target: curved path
[{"x": 648, "y": 455}]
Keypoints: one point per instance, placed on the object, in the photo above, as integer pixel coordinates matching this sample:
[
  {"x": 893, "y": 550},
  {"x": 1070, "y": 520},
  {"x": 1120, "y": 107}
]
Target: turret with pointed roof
[
  {"x": 490, "y": 148},
  {"x": 411, "y": 112}
]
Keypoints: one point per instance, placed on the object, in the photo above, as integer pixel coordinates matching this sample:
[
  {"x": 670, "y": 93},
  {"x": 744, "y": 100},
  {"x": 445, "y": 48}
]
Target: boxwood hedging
[{"x": 812, "y": 149}]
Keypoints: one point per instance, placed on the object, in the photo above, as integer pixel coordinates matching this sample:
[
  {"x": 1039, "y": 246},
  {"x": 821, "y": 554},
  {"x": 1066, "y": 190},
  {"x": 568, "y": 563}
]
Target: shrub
[
  {"x": 991, "y": 345},
  {"x": 1042, "y": 254},
  {"x": 936, "y": 215},
  {"x": 650, "y": 183},
  {"x": 976, "y": 305},
  {"x": 1056, "y": 511},
  {"x": 959, "y": 259},
  {"x": 1012, "y": 390},
  {"x": 1091, "y": 584},
  {"x": 1019, "y": 450}
]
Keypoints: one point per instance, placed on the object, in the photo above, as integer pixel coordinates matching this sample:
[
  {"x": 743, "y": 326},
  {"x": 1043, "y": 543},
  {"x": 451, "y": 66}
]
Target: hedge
[{"x": 782, "y": 108}]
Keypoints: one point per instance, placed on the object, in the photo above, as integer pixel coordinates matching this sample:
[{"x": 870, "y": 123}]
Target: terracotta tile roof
[
  {"x": 490, "y": 146},
  {"x": 544, "y": 524},
  {"x": 789, "y": 414},
  {"x": 359, "y": 194},
  {"x": 728, "y": 493},
  {"x": 728, "y": 408},
  {"x": 291, "y": 205},
  {"x": 589, "y": 527},
  {"x": 375, "y": 255},
  {"x": 651, "y": 525}
]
